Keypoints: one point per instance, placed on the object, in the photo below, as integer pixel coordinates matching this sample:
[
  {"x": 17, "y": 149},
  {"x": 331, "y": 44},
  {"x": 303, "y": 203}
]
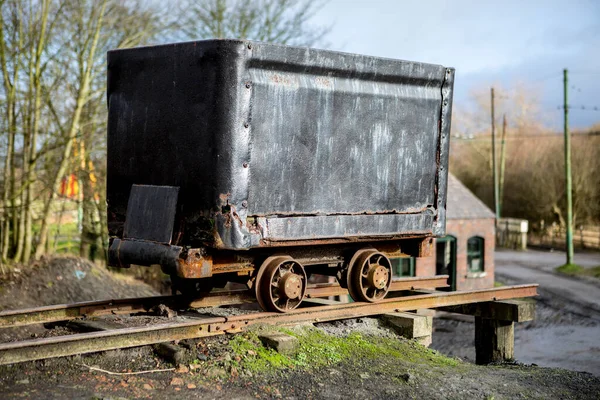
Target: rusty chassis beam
[
  {"x": 61, "y": 346},
  {"x": 413, "y": 283},
  {"x": 66, "y": 312}
]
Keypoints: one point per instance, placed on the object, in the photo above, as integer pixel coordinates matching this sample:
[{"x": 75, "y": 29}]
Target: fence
[
  {"x": 512, "y": 233},
  {"x": 584, "y": 237}
]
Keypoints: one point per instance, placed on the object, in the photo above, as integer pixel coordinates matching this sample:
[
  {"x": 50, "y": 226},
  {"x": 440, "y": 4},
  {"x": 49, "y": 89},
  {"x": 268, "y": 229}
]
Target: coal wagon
[{"x": 239, "y": 161}]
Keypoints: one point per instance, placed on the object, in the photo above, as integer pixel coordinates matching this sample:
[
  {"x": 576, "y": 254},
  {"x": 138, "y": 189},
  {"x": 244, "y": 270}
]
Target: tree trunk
[
  {"x": 37, "y": 106},
  {"x": 86, "y": 68}
]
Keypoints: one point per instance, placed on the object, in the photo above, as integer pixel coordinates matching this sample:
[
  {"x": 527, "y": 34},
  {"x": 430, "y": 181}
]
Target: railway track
[
  {"x": 65, "y": 312},
  {"x": 82, "y": 343}
]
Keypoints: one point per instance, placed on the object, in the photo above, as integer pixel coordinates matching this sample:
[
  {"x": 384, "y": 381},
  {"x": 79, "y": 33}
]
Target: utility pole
[
  {"x": 502, "y": 163},
  {"x": 494, "y": 174},
  {"x": 568, "y": 174}
]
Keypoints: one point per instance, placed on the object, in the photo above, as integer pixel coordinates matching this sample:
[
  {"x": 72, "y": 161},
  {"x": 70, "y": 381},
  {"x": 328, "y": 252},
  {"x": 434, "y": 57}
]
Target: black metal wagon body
[{"x": 232, "y": 149}]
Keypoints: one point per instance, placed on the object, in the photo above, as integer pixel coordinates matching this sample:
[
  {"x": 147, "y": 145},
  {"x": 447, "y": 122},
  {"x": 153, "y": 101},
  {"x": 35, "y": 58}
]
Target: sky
[{"x": 507, "y": 43}]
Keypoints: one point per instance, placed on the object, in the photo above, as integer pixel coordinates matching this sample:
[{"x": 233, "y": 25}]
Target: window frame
[
  {"x": 450, "y": 242},
  {"x": 474, "y": 254},
  {"x": 397, "y": 266}
]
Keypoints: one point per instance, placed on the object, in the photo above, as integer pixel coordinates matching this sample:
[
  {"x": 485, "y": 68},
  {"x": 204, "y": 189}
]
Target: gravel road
[{"x": 566, "y": 332}]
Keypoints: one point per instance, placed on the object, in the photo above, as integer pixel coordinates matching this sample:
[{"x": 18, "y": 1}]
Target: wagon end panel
[{"x": 170, "y": 123}]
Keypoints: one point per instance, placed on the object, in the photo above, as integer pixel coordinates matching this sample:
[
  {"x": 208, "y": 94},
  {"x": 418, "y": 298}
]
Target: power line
[
  {"x": 553, "y": 75},
  {"x": 585, "y": 108},
  {"x": 585, "y": 72},
  {"x": 526, "y": 137},
  {"x": 575, "y": 88},
  {"x": 581, "y": 107}
]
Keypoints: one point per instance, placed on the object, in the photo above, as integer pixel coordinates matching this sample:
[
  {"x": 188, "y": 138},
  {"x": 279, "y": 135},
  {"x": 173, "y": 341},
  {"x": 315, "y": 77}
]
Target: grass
[
  {"x": 318, "y": 349},
  {"x": 63, "y": 238},
  {"x": 578, "y": 270}
]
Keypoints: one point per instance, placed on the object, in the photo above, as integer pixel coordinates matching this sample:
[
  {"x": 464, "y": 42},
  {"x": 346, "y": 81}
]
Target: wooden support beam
[
  {"x": 86, "y": 325},
  {"x": 494, "y": 340},
  {"x": 505, "y": 310},
  {"x": 495, "y": 326}
]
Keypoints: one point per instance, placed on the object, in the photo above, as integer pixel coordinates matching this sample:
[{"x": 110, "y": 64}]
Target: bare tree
[
  {"x": 91, "y": 29},
  {"x": 274, "y": 21},
  {"x": 534, "y": 183},
  {"x": 125, "y": 25},
  {"x": 88, "y": 18},
  {"x": 53, "y": 104},
  {"x": 11, "y": 42},
  {"x": 25, "y": 30}
]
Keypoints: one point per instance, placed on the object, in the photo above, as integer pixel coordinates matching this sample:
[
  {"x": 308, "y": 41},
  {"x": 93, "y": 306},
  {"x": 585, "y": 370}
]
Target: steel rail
[
  {"x": 82, "y": 343},
  {"x": 66, "y": 312}
]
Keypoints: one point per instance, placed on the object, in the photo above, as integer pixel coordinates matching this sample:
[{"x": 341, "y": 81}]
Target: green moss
[
  {"x": 317, "y": 349},
  {"x": 578, "y": 270},
  {"x": 570, "y": 269},
  {"x": 254, "y": 356}
]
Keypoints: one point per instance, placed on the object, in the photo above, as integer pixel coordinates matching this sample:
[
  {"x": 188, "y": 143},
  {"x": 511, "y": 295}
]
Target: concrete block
[
  {"x": 424, "y": 340},
  {"x": 282, "y": 343},
  {"x": 425, "y": 311},
  {"x": 172, "y": 353},
  {"x": 410, "y": 325}
]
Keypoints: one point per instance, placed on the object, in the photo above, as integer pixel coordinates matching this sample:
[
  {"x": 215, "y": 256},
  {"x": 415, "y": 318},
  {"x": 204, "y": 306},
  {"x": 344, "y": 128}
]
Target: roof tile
[{"x": 463, "y": 204}]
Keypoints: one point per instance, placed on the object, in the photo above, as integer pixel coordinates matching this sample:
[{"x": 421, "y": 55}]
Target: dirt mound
[{"x": 66, "y": 280}]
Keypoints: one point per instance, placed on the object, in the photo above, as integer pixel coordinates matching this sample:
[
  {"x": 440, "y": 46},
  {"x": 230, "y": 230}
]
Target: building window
[
  {"x": 475, "y": 254},
  {"x": 445, "y": 259},
  {"x": 403, "y": 267}
]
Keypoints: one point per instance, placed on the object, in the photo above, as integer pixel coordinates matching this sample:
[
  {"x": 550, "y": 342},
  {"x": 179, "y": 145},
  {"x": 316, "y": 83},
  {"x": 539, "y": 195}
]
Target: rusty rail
[
  {"x": 61, "y": 346},
  {"x": 66, "y": 312}
]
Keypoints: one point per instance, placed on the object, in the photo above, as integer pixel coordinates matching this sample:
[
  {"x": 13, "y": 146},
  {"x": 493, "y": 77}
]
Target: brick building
[{"x": 466, "y": 253}]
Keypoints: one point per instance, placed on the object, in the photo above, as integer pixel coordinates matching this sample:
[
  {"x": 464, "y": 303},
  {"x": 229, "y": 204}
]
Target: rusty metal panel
[
  {"x": 274, "y": 143},
  {"x": 319, "y": 227}
]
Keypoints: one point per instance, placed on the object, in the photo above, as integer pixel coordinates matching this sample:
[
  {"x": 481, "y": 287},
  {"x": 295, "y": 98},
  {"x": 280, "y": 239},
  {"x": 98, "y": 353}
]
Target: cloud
[{"x": 506, "y": 41}]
